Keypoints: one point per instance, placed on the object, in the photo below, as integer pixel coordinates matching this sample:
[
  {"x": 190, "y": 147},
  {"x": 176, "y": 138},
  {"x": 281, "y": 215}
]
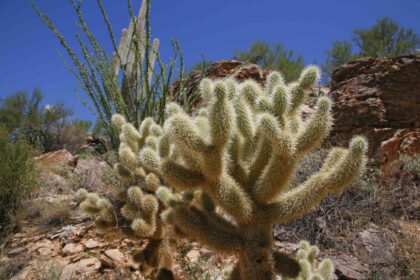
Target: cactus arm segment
[
  {"x": 198, "y": 225},
  {"x": 316, "y": 128},
  {"x": 301, "y": 199},
  {"x": 232, "y": 198},
  {"x": 181, "y": 177}
]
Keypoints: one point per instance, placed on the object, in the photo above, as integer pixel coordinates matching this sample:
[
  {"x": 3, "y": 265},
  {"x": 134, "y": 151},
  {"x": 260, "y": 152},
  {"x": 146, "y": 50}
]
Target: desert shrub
[
  {"x": 391, "y": 204},
  {"x": 338, "y": 218},
  {"x": 17, "y": 172},
  {"x": 411, "y": 162},
  {"x": 45, "y": 128},
  {"x": 275, "y": 57},
  {"x": 401, "y": 194}
]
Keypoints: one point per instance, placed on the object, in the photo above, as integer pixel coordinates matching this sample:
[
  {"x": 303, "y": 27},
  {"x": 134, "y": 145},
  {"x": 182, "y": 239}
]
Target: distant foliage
[
  {"x": 201, "y": 66},
  {"x": 385, "y": 38},
  {"x": 17, "y": 175},
  {"x": 275, "y": 57},
  {"x": 339, "y": 54},
  {"x": 126, "y": 80},
  {"x": 44, "y": 127}
]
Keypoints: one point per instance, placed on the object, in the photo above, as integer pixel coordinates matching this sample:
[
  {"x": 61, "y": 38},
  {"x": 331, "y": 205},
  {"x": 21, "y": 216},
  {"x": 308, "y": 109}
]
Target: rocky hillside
[{"x": 370, "y": 232}]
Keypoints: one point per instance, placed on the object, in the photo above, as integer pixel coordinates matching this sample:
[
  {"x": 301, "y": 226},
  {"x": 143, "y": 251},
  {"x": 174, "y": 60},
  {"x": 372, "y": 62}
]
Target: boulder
[
  {"x": 374, "y": 247},
  {"x": 349, "y": 268},
  {"x": 403, "y": 142},
  {"x": 56, "y": 162},
  {"x": 376, "y": 97},
  {"x": 222, "y": 69}
]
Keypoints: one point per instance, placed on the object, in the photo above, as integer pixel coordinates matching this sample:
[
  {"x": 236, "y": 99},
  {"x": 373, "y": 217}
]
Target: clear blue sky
[{"x": 29, "y": 52}]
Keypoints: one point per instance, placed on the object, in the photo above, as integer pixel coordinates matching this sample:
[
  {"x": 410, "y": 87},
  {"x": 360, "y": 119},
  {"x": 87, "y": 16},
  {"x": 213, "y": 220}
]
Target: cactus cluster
[
  {"x": 233, "y": 160},
  {"x": 311, "y": 269},
  {"x": 136, "y": 209},
  {"x": 222, "y": 174}
]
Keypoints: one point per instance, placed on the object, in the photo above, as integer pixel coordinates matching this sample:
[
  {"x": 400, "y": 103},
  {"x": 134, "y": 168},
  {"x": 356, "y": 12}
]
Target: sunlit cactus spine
[
  {"x": 136, "y": 210},
  {"x": 233, "y": 161}
]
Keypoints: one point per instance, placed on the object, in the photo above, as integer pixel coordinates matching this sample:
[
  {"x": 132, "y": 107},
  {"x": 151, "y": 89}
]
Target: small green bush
[
  {"x": 411, "y": 162},
  {"x": 17, "y": 173}
]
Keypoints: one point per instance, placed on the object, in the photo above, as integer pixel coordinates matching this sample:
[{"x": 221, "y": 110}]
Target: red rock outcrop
[
  {"x": 221, "y": 69},
  {"x": 404, "y": 142},
  {"x": 376, "y": 97}
]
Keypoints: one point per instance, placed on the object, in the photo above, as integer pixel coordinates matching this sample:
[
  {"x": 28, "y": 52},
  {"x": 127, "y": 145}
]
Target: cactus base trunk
[{"x": 256, "y": 262}]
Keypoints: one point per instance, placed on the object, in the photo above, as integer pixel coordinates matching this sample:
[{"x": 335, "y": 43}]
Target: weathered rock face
[
  {"x": 221, "y": 69},
  {"x": 376, "y": 97}
]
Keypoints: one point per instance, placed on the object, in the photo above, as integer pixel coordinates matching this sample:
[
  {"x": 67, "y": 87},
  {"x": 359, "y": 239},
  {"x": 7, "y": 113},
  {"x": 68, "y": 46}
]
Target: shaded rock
[
  {"x": 23, "y": 274},
  {"x": 349, "y": 268},
  {"x": 373, "y": 247},
  {"x": 16, "y": 252},
  {"x": 375, "y": 97}
]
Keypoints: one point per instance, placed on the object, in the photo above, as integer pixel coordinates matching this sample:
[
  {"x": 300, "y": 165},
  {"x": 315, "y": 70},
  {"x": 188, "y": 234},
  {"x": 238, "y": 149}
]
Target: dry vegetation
[{"x": 390, "y": 204}]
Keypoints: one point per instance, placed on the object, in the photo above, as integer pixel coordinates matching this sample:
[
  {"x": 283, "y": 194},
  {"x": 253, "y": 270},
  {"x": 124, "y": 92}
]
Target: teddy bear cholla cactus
[
  {"x": 311, "y": 269},
  {"x": 241, "y": 151},
  {"x": 136, "y": 209}
]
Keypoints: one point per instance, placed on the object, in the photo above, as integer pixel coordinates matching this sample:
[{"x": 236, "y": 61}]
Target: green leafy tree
[
  {"x": 17, "y": 173},
  {"x": 386, "y": 38},
  {"x": 275, "y": 57},
  {"x": 45, "y": 128},
  {"x": 339, "y": 54},
  {"x": 82, "y": 125}
]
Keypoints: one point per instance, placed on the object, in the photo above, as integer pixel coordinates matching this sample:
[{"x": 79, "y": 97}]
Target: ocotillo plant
[
  {"x": 141, "y": 90},
  {"x": 136, "y": 209},
  {"x": 240, "y": 152}
]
